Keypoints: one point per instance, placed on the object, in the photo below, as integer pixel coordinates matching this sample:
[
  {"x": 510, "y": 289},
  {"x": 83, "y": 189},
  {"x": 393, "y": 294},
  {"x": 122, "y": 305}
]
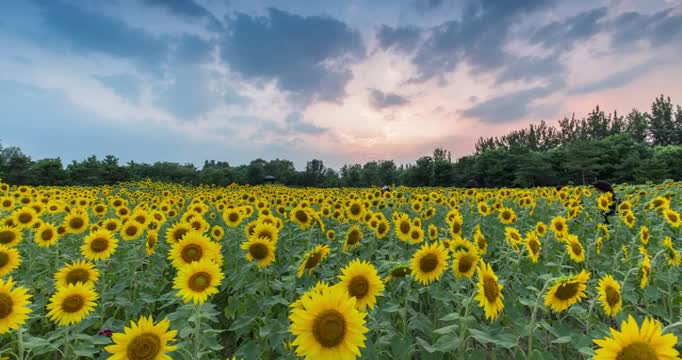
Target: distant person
[
  {"x": 472, "y": 184},
  {"x": 384, "y": 189},
  {"x": 604, "y": 187}
]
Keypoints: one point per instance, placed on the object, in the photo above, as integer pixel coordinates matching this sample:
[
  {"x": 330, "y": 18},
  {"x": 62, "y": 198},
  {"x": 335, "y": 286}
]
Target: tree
[
  {"x": 637, "y": 125},
  {"x": 314, "y": 172},
  {"x": 661, "y": 127},
  {"x": 48, "y": 172}
]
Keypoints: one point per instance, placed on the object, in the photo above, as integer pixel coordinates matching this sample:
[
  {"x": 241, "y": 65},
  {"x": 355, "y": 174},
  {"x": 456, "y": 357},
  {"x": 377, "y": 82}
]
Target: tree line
[{"x": 635, "y": 148}]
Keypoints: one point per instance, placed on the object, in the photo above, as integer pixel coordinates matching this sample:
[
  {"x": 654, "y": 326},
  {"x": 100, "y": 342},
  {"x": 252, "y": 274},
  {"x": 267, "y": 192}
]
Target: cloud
[
  {"x": 424, "y": 6},
  {"x": 188, "y": 9},
  {"x": 306, "y": 56},
  {"x": 124, "y": 85},
  {"x": 296, "y": 124},
  {"x": 478, "y": 38},
  {"x": 615, "y": 80},
  {"x": 510, "y": 107},
  {"x": 188, "y": 95},
  {"x": 659, "y": 28},
  {"x": 381, "y": 100},
  {"x": 563, "y": 35},
  {"x": 402, "y": 38},
  {"x": 528, "y": 68}
]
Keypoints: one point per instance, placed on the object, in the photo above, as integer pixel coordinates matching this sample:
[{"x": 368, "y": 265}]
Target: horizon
[{"x": 152, "y": 80}]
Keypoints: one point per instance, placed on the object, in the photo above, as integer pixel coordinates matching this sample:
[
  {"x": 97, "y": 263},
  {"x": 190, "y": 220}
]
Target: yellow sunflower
[
  {"x": 575, "y": 248},
  {"x": 361, "y": 281},
  {"x": 559, "y": 227},
  {"x": 461, "y": 244},
  {"x": 328, "y": 326},
  {"x": 464, "y": 263},
  {"x": 353, "y": 238},
  {"x": 76, "y": 222},
  {"x": 151, "y": 241},
  {"x": 672, "y": 217},
  {"x": 194, "y": 246},
  {"x": 382, "y": 228},
  {"x": 331, "y": 235},
  {"x": 429, "y": 262},
  {"x": 197, "y": 281},
  {"x": 567, "y": 291},
  {"x": 540, "y": 229},
  {"x": 402, "y": 226},
  {"x": 489, "y": 292},
  {"x": 14, "y": 302},
  {"x": 99, "y": 245},
  {"x": 455, "y": 227},
  {"x": 175, "y": 232},
  {"x": 9, "y": 260},
  {"x": 533, "y": 246},
  {"x": 265, "y": 230},
  {"x": 479, "y": 240},
  {"x": 302, "y": 217},
  {"x": 644, "y": 272},
  {"x": 72, "y": 303},
  {"x": 644, "y": 234},
  {"x": 81, "y": 271},
  {"x": 355, "y": 210},
  {"x": 232, "y": 217},
  {"x": 10, "y": 236},
  {"x": 507, "y": 216},
  {"x": 634, "y": 342},
  {"x": 25, "y": 217},
  {"x": 217, "y": 232},
  {"x": 262, "y": 250},
  {"x": 609, "y": 295},
  {"x": 513, "y": 237},
  {"x": 674, "y": 257},
  {"x": 433, "y": 232},
  {"x": 143, "y": 340},
  {"x": 313, "y": 258},
  {"x": 46, "y": 235},
  {"x": 416, "y": 235}
]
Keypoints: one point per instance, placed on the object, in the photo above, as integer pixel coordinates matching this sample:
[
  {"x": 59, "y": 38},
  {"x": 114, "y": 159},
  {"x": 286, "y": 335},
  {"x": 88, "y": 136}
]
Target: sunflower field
[{"x": 160, "y": 271}]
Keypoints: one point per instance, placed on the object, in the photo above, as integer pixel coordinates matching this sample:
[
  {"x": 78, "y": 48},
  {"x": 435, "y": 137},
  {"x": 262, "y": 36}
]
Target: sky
[{"x": 342, "y": 81}]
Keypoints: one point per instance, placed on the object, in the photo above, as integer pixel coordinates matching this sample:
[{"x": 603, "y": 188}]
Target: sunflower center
[
  {"x": 559, "y": 227},
  {"x": 353, "y": 237},
  {"x": 200, "y": 281},
  {"x": 25, "y": 218},
  {"x": 329, "y": 328},
  {"x": 355, "y": 209},
  {"x": 490, "y": 288},
  {"x": 313, "y": 260},
  {"x": 415, "y": 234},
  {"x": 111, "y": 226},
  {"x": 4, "y": 259},
  {"x": 302, "y": 216},
  {"x": 612, "y": 295},
  {"x": 575, "y": 247},
  {"x": 258, "y": 251},
  {"x": 506, "y": 215},
  {"x": 144, "y": 347},
  {"x": 567, "y": 291},
  {"x": 99, "y": 245},
  {"x": 141, "y": 219},
  {"x": 466, "y": 263},
  {"x": 456, "y": 227},
  {"x": 358, "y": 287},
  {"x": 6, "y": 237},
  {"x": 77, "y": 275},
  {"x": 401, "y": 271},
  {"x": 179, "y": 233},
  {"x": 637, "y": 351},
  {"x": 381, "y": 228},
  {"x": 6, "y": 304},
  {"x": 534, "y": 246},
  {"x": 428, "y": 263},
  {"x": 47, "y": 235},
  {"x": 76, "y": 223},
  {"x": 404, "y": 227},
  {"x": 233, "y": 217},
  {"x": 6, "y": 203},
  {"x": 191, "y": 253},
  {"x": 73, "y": 303},
  {"x": 131, "y": 230}
]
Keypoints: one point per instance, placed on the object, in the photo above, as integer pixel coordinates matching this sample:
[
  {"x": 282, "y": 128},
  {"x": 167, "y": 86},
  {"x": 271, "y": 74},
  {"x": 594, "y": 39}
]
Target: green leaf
[
  {"x": 450, "y": 317},
  {"x": 446, "y": 329},
  {"x": 562, "y": 340}
]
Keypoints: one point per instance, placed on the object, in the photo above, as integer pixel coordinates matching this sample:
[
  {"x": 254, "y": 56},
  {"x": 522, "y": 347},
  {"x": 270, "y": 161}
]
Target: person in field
[{"x": 604, "y": 187}]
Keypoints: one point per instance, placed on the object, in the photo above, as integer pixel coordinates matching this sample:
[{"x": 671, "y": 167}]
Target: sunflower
[
  {"x": 382, "y": 228},
  {"x": 598, "y": 245},
  {"x": 433, "y": 232},
  {"x": 416, "y": 235},
  {"x": 151, "y": 241},
  {"x": 464, "y": 263},
  {"x": 14, "y": 303},
  {"x": 672, "y": 217},
  {"x": 455, "y": 227},
  {"x": 609, "y": 295},
  {"x": 533, "y": 246},
  {"x": 9, "y": 236},
  {"x": 302, "y": 217},
  {"x": 429, "y": 262},
  {"x": 193, "y": 247},
  {"x": 604, "y": 201},
  {"x": 76, "y": 222},
  {"x": 513, "y": 238},
  {"x": 99, "y": 245},
  {"x": 328, "y": 326},
  {"x": 479, "y": 240},
  {"x": 217, "y": 232},
  {"x": 131, "y": 230},
  {"x": 81, "y": 271},
  {"x": 460, "y": 244},
  {"x": 644, "y": 272},
  {"x": 575, "y": 248},
  {"x": 46, "y": 235},
  {"x": 6, "y": 203},
  {"x": 72, "y": 303},
  {"x": 559, "y": 227},
  {"x": 25, "y": 217},
  {"x": 267, "y": 231},
  {"x": 353, "y": 238},
  {"x": 175, "y": 233},
  {"x": 634, "y": 342},
  {"x": 507, "y": 216},
  {"x": 540, "y": 229},
  {"x": 674, "y": 257},
  {"x": 331, "y": 235},
  {"x": 313, "y": 258},
  {"x": 567, "y": 291},
  {"x": 143, "y": 340},
  {"x": 9, "y": 259},
  {"x": 399, "y": 272},
  {"x": 355, "y": 210},
  {"x": 197, "y": 281},
  {"x": 319, "y": 288},
  {"x": 113, "y": 225},
  {"x": 361, "y": 281},
  {"x": 402, "y": 226},
  {"x": 232, "y": 217},
  {"x": 489, "y": 292},
  {"x": 483, "y": 208},
  {"x": 262, "y": 250},
  {"x": 629, "y": 219}
]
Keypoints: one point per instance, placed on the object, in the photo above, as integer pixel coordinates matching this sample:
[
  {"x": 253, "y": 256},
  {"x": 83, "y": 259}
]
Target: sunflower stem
[
  {"x": 670, "y": 327},
  {"x": 20, "y": 343},
  {"x": 531, "y": 328},
  {"x": 463, "y": 324},
  {"x": 197, "y": 331}
]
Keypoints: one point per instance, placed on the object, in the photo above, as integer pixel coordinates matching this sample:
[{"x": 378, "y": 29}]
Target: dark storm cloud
[
  {"x": 402, "y": 38},
  {"x": 381, "y": 100},
  {"x": 188, "y": 9},
  {"x": 306, "y": 56},
  {"x": 562, "y": 35}
]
